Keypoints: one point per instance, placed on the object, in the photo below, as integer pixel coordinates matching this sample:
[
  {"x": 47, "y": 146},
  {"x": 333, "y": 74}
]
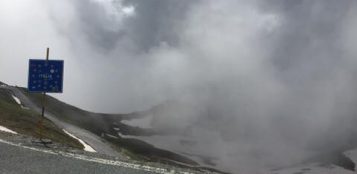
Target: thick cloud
[{"x": 264, "y": 82}]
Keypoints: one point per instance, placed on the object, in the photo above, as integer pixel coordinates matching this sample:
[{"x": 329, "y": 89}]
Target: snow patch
[
  {"x": 18, "y": 101},
  {"x": 4, "y": 129},
  {"x": 86, "y": 146}
]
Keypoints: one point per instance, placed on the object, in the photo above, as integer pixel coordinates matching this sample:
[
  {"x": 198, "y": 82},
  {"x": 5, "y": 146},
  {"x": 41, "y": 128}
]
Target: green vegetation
[{"x": 26, "y": 122}]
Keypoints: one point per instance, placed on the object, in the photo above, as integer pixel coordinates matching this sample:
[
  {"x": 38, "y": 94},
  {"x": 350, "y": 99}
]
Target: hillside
[
  {"x": 107, "y": 126},
  {"x": 90, "y": 126},
  {"x": 25, "y": 121},
  {"x": 123, "y": 137}
]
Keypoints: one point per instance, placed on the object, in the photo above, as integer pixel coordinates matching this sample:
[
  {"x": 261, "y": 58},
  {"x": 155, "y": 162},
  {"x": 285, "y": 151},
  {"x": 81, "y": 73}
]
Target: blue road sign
[{"x": 45, "y": 76}]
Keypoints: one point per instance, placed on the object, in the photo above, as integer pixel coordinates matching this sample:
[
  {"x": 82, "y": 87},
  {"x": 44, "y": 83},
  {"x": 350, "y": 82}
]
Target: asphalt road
[{"x": 16, "y": 159}]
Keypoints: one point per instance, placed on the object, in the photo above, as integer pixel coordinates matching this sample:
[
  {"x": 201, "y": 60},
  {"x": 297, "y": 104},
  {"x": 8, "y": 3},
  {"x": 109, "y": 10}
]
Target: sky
[{"x": 280, "y": 73}]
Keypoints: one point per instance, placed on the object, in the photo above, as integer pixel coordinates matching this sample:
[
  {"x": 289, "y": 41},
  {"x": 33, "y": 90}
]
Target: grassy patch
[{"x": 27, "y": 122}]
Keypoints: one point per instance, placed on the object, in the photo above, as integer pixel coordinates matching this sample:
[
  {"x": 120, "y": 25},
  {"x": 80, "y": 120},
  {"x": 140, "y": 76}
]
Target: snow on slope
[
  {"x": 18, "y": 101},
  {"x": 86, "y": 146},
  {"x": 4, "y": 129}
]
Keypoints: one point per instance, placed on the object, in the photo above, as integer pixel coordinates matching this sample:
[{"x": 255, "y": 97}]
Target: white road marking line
[{"x": 99, "y": 160}]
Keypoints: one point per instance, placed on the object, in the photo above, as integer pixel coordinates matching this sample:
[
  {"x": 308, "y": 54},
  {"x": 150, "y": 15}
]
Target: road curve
[{"x": 16, "y": 158}]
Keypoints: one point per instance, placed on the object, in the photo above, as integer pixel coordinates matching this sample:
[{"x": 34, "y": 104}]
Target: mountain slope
[
  {"x": 90, "y": 126},
  {"x": 25, "y": 121}
]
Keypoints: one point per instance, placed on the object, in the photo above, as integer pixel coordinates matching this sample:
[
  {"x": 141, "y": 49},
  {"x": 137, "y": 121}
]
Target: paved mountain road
[{"x": 17, "y": 159}]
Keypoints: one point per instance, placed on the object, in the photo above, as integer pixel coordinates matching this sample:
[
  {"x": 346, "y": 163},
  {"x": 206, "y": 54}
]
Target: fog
[{"x": 266, "y": 82}]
